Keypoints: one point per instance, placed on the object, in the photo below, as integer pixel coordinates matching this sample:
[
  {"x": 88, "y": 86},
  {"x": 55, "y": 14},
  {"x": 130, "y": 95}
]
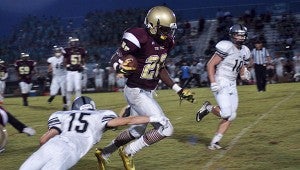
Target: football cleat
[
  {"x": 101, "y": 161},
  {"x": 202, "y": 111},
  {"x": 127, "y": 159},
  {"x": 29, "y": 131},
  {"x": 214, "y": 146}
]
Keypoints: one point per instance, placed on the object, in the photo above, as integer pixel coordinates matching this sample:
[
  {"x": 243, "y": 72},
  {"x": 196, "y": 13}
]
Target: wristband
[
  {"x": 176, "y": 88},
  {"x": 115, "y": 65}
]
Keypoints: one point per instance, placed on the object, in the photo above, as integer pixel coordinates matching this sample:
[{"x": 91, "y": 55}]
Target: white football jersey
[
  {"x": 233, "y": 59},
  {"x": 58, "y": 68},
  {"x": 82, "y": 128}
]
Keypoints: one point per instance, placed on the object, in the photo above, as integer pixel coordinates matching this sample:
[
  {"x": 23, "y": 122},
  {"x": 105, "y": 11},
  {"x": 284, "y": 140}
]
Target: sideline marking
[{"x": 245, "y": 130}]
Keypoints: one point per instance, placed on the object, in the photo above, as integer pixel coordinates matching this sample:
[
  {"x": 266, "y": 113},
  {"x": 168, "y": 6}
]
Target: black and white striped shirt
[{"x": 260, "y": 56}]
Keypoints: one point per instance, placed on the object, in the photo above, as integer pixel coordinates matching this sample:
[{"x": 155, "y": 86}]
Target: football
[{"x": 130, "y": 61}]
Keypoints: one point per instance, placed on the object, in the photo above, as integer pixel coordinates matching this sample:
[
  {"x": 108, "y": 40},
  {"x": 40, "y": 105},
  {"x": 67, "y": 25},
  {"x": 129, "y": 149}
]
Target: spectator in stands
[
  {"x": 195, "y": 74},
  {"x": 211, "y": 48},
  {"x": 201, "y": 24},
  {"x": 260, "y": 57},
  {"x": 25, "y": 69},
  {"x": 172, "y": 69},
  {"x": 99, "y": 74},
  {"x": 185, "y": 74},
  {"x": 3, "y": 77},
  {"x": 111, "y": 78},
  {"x": 296, "y": 60}
]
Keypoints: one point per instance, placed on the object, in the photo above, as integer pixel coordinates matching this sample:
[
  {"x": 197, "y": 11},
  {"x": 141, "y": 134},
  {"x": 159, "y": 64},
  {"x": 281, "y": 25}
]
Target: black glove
[{"x": 186, "y": 94}]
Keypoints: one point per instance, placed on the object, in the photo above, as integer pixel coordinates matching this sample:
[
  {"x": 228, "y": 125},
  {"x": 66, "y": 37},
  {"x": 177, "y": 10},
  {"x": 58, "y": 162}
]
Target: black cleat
[{"x": 202, "y": 111}]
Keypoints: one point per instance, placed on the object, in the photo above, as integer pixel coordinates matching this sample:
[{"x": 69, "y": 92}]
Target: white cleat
[{"x": 214, "y": 146}]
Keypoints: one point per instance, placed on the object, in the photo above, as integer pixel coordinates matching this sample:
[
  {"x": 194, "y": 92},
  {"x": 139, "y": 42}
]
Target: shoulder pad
[
  {"x": 139, "y": 33},
  {"x": 224, "y": 46}
]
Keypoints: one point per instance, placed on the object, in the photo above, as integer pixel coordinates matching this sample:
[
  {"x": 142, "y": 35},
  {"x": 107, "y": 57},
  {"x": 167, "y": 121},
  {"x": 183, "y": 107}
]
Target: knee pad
[
  {"x": 228, "y": 116},
  {"x": 225, "y": 115},
  {"x": 232, "y": 117},
  {"x": 137, "y": 130},
  {"x": 166, "y": 129}
]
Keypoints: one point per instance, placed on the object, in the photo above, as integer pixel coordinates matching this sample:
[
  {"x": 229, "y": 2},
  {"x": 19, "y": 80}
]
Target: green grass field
[{"x": 265, "y": 135}]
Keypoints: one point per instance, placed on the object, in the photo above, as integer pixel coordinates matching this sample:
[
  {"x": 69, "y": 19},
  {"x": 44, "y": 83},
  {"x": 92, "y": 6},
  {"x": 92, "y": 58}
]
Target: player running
[
  {"x": 25, "y": 69},
  {"x": 150, "y": 46},
  {"x": 74, "y": 61},
  {"x": 57, "y": 69},
  {"x": 223, "y": 68}
]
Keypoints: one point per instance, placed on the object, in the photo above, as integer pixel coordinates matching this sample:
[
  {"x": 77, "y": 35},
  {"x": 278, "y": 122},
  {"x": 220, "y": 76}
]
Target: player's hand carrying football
[
  {"x": 126, "y": 67},
  {"x": 186, "y": 94}
]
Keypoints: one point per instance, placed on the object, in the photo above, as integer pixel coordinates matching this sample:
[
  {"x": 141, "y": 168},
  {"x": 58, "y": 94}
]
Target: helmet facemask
[
  {"x": 238, "y": 34},
  {"x": 24, "y": 56},
  {"x": 73, "y": 42},
  {"x": 239, "y": 38},
  {"x": 57, "y": 51}
]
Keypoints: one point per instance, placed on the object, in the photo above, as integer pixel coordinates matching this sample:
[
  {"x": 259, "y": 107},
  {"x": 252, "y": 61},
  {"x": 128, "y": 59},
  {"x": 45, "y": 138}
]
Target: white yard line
[{"x": 242, "y": 132}]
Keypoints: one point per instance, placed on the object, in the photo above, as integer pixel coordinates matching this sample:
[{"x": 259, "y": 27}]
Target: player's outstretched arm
[
  {"x": 121, "y": 121},
  {"x": 48, "y": 135}
]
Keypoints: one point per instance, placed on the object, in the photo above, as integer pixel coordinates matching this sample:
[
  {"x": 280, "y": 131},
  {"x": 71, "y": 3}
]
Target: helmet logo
[{"x": 86, "y": 107}]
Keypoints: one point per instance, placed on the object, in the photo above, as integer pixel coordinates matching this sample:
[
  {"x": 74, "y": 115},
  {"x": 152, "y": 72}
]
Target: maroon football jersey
[
  {"x": 74, "y": 58},
  {"x": 25, "y": 69},
  {"x": 150, "y": 54}
]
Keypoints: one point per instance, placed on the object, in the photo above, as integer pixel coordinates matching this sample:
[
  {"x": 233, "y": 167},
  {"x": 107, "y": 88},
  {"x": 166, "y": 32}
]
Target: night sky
[{"x": 12, "y": 11}]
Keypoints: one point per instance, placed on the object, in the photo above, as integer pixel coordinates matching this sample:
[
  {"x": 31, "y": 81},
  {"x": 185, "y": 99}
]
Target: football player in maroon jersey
[
  {"x": 74, "y": 60},
  {"x": 25, "y": 69},
  {"x": 150, "y": 46}
]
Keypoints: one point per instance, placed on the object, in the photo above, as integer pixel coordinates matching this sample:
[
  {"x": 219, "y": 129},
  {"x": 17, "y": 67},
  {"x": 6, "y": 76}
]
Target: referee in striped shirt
[{"x": 260, "y": 57}]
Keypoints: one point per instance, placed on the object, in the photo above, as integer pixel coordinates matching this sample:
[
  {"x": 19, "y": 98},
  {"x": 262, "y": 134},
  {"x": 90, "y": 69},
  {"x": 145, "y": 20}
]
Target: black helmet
[
  {"x": 83, "y": 103},
  {"x": 238, "y": 29}
]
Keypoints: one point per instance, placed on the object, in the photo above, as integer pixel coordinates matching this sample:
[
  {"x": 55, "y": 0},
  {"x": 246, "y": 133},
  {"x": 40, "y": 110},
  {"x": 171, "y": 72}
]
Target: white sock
[
  {"x": 135, "y": 146},
  {"x": 209, "y": 107},
  {"x": 68, "y": 97},
  {"x": 216, "y": 138},
  {"x": 77, "y": 93}
]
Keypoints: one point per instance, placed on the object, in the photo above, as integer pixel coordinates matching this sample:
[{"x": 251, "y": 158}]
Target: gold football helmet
[{"x": 161, "y": 22}]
